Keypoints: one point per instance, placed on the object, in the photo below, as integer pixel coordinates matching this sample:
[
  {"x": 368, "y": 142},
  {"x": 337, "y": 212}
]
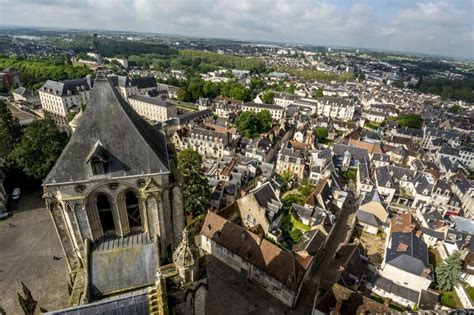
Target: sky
[{"x": 443, "y": 28}]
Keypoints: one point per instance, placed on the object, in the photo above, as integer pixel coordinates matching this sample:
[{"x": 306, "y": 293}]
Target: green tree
[
  {"x": 196, "y": 192},
  {"x": 286, "y": 176},
  {"x": 10, "y": 131},
  {"x": 455, "y": 109},
  {"x": 409, "y": 120},
  {"x": 291, "y": 89},
  {"x": 267, "y": 97},
  {"x": 182, "y": 95},
  {"x": 449, "y": 272},
  {"x": 39, "y": 148},
  {"x": 251, "y": 124},
  {"x": 322, "y": 133},
  {"x": 318, "y": 94}
]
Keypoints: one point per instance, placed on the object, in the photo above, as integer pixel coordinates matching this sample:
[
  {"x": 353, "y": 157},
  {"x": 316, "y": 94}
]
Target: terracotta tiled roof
[{"x": 280, "y": 264}]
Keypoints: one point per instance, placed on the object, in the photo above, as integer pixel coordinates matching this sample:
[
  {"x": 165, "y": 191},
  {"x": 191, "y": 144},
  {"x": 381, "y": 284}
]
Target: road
[
  {"x": 28, "y": 242},
  {"x": 341, "y": 235}
]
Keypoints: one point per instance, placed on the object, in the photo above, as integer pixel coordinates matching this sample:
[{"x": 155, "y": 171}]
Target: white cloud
[{"x": 441, "y": 27}]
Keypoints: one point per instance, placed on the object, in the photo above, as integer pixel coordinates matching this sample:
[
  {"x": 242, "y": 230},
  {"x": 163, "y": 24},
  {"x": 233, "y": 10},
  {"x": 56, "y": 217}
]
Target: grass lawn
[
  {"x": 450, "y": 299},
  {"x": 298, "y": 225},
  {"x": 372, "y": 125},
  {"x": 469, "y": 290},
  {"x": 184, "y": 105},
  {"x": 299, "y": 196}
]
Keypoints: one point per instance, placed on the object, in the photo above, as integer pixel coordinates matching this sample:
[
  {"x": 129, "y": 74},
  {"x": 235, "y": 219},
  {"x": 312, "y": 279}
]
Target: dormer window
[
  {"x": 99, "y": 166},
  {"x": 98, "y": 160}
]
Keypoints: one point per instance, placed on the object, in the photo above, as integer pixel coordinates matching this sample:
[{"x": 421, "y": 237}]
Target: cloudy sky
[{"x": 428, "y": 26}]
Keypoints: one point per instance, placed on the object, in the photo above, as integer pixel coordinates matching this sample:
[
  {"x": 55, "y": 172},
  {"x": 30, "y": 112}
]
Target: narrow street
[{"x": 341, "y": 235}]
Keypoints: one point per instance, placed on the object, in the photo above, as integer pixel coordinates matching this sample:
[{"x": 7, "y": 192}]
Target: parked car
[
  {"x": 16, "y": 193},
  {"x": 3, "y": 215}
]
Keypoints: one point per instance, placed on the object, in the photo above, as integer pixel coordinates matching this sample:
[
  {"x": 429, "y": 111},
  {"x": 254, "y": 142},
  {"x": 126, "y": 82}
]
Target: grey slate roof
[
  {"x": 68, "y": 87},
  {"x": 383, "y": 177},
  {"x": 414, "y": 259},
  {"x": 311, "y": 241},
  {"x": 368, "y": 218},
  {"x": 152, "y": 100},
  {"x": 134, "y": 146},
  {"x": 432, "y": 233},
  {"x": 371, "y": 196},
  {"x": 398, "y": 290},
  {"x": 263, "y": 105},
  {"x": 134, "y": 267},
  {"x": 266, "y": 198},
  {"x": 356, "y": 153},
  {"x": 423, "y": 186},
  {"x": 447, "y": 134},
  {"x": 144, "y": 82},
  {"x": 130, "y": 303},
  {"x": 463, "y": 224},
  {"x": 418, "y": 133},
  {"x": 363, "y": 173}
]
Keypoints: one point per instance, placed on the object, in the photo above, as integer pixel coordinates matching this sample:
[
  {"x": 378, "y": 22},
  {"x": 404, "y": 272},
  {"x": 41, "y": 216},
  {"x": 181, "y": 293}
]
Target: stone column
[
  {"x": 94, "y": 219},
  {"x": 74, "y": 227},
  {"x": 83, "y": 220},
  {"x": 117, "y": 217},
  {"x": 122, "y": 214}
]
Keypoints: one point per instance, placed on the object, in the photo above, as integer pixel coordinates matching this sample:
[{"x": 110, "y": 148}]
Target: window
[{"x": 99, "y": 167}]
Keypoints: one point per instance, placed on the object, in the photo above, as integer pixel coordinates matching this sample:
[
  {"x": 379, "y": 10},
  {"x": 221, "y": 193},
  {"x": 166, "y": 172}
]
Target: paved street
[{"x": 27, "y": 248}]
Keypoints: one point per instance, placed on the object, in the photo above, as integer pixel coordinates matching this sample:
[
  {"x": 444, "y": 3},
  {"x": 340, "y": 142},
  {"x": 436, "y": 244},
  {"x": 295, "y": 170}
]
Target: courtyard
[
  {"x": 231, "y": 293},
  {"x": 28, "y": 243}
]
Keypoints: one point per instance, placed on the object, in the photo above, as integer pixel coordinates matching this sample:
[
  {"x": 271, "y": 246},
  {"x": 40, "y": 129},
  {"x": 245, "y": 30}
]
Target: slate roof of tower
[
  {"x": 134, "y": 146},
  {"x": 135, "y": 302}
]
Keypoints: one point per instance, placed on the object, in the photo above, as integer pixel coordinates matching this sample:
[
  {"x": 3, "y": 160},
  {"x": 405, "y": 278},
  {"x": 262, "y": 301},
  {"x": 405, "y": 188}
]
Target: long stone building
[{"x": 116, "y": 209}]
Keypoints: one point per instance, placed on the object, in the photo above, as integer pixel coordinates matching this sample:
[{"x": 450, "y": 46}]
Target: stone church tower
[{"x": 112, "y": 184}]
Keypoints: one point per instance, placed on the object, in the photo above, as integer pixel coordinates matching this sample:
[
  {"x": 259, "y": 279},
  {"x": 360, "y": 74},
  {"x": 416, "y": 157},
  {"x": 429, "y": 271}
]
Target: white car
[{"x": 16, "y": 194}]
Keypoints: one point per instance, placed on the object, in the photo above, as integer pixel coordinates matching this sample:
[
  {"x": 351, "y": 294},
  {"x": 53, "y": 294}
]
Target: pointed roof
[{"x": 133, "y": 146}]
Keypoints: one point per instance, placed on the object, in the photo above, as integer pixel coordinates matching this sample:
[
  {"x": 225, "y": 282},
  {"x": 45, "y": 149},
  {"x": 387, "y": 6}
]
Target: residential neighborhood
[{"x": 200, "y": 176}]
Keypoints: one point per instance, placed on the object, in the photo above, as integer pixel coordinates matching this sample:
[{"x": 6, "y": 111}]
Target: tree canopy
[
  {"x": 409, "y": 120},
  {"x": 322, "y": 133},
  {"x": 267, "y": 97},
  {"x": 195, "y": 187},
  {"x": 449, "y": 272},
  {"x": 35, "y": 71},
  {"x": 39, "y": 148},
  {"x": 251, "y": 124},
  {"x": 10, "y": 132},
  {"x": 449, "y": 89}
]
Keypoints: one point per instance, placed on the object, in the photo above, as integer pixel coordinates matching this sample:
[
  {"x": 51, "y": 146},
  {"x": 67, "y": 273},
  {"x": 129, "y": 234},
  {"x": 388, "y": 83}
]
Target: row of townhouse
[{"x": 58, "y": 99}]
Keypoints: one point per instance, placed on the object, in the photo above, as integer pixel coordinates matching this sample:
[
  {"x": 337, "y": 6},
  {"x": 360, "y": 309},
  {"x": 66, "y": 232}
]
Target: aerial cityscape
[{"x": 252, "y": 157}]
